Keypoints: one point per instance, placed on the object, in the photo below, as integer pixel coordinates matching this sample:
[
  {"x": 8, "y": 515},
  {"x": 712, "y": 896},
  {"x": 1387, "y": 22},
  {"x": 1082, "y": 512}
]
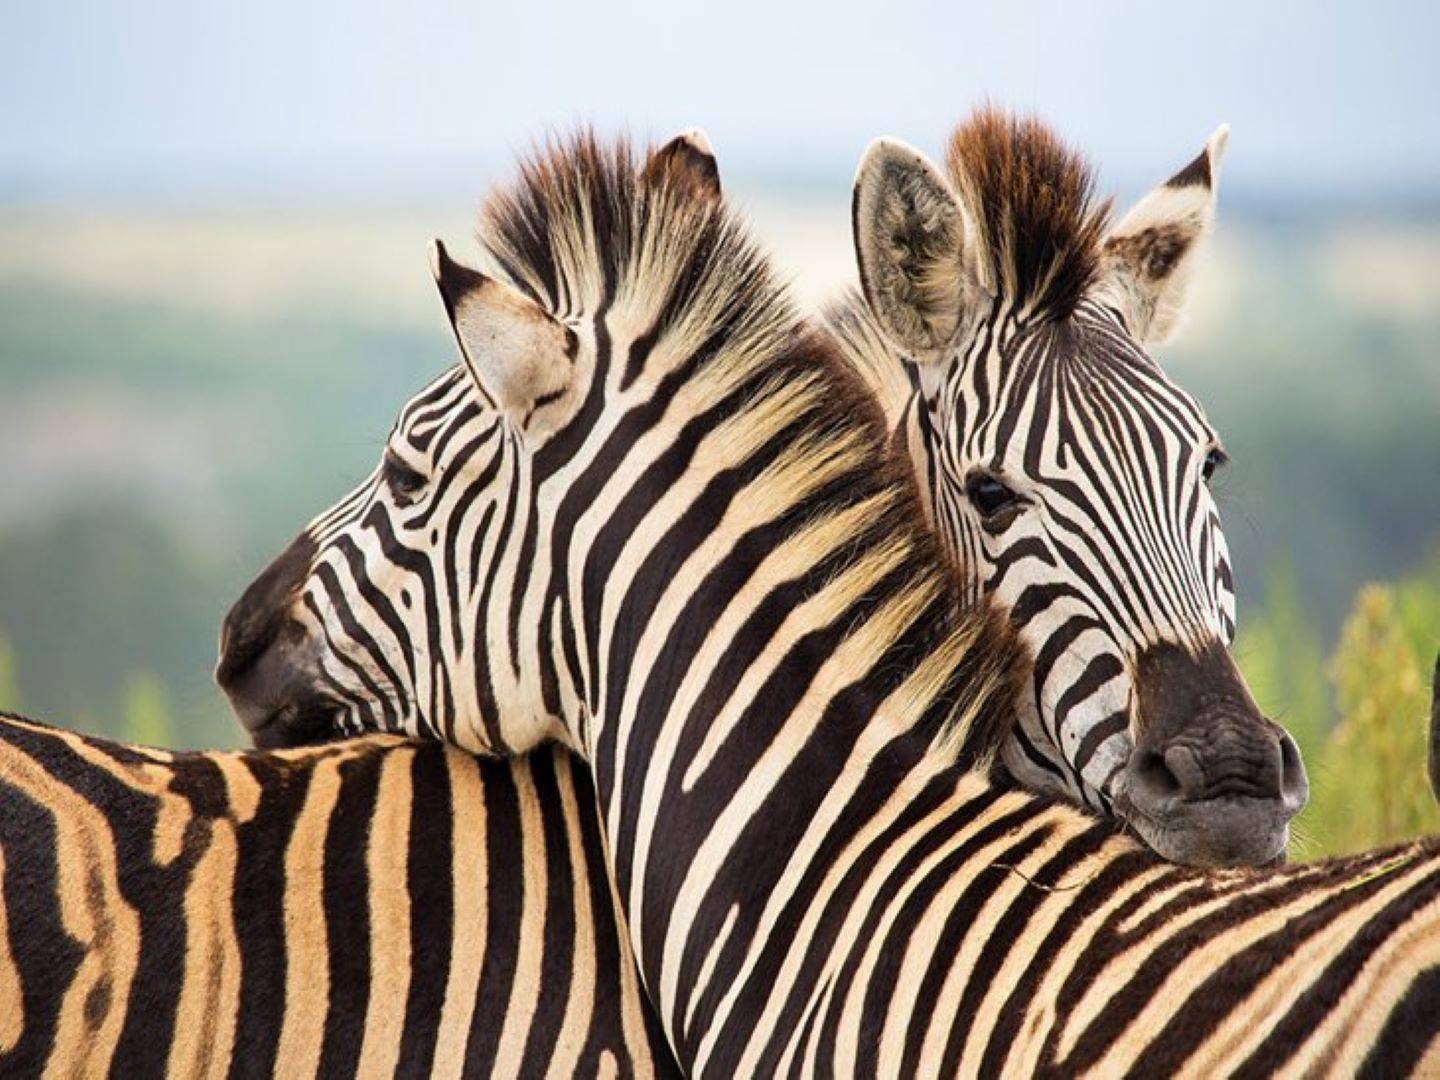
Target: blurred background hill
[{"x": 213, "y": 293}]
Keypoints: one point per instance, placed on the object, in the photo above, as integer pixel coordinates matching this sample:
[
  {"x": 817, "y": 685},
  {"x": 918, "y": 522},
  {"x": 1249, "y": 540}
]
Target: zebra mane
[
  {"x": 1030, "y": 202},
  {"x": 584, "y": 228},
  {"x": 863, "y": 345}
]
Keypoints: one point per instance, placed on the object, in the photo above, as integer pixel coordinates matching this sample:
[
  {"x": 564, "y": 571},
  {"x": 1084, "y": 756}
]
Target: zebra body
[
  {"x": 372, "y": 907},
  {"x": 696, "y": 562}
]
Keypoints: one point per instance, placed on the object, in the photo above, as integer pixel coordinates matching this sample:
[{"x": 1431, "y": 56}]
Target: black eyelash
[
  {"x": 403, "y": 481},
  {"x": 1215, "y": 460}
]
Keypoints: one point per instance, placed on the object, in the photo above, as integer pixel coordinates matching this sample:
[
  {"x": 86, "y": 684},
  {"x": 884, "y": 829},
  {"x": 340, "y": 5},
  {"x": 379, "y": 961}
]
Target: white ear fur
[
  {"x": 1151, "y": 255},
  {"x": 909, "y": 238},
  {"x": 520, "y": 358}
]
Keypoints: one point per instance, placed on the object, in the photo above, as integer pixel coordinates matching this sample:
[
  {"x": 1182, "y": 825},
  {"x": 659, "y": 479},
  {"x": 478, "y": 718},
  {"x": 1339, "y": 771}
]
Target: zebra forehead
[{"x": 1087, "y": 361}]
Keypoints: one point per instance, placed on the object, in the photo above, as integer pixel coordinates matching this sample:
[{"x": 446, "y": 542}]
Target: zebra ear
[
  {"x": 686, "y": 159},
  {"x": 1151, "y": 255},
  {"x": 519, "y": 357},
  {"x": 909, "y": 235}
]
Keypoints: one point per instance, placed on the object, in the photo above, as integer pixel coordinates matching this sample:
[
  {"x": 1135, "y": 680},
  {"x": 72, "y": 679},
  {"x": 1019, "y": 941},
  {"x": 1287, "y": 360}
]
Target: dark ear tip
[
  {"x": 1195, "y": 174},
  {"x": 440, "y": 259},
  {"x": 454, "y": 279}
]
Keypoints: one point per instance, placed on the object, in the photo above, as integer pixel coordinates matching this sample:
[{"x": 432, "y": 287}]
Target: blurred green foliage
[
  {"x": 1378, "y": 750},
  {"x": 1365, "y": 740},
  {"x": 147, "y": 712},
  {"x": 98, "y": 594}
]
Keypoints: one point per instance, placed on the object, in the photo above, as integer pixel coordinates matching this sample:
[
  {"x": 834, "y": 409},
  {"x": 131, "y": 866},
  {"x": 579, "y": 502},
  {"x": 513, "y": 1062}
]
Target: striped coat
[{"x": 368, "y": 907}]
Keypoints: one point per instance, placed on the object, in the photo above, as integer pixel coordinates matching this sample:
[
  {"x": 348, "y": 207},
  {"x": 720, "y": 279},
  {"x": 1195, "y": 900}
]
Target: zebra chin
[{"x": 1227, "y": 833}]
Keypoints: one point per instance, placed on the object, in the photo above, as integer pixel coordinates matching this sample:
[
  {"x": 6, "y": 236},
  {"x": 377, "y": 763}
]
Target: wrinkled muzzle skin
[{"x": 1210, "y": 780}]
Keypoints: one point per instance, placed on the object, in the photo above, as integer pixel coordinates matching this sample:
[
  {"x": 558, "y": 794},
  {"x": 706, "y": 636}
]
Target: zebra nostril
[
  {"x": 1294, "y": 783},
  {"x": 1184, "y": 766},
  {"x": 1152, "y": 781}
]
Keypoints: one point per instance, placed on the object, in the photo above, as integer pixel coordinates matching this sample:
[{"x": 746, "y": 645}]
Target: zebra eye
[
  {"x": 990, "y": 496},
  {"x": 404, "y": 482},
  {"x": 1214, "y": 461}
]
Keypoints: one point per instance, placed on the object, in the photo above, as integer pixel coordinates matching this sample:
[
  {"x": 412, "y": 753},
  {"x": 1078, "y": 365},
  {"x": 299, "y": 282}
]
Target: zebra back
[{"x": 370, "y": 907}]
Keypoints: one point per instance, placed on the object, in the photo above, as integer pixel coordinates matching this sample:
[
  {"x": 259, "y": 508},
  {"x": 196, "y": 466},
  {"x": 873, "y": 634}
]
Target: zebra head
[
  {"x": 424, "y": 600},
  {"x": 1069, "y": 470}
]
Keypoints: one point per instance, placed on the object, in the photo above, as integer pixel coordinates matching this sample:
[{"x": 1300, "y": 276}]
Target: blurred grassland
[{"x": 1360, "y": 713}]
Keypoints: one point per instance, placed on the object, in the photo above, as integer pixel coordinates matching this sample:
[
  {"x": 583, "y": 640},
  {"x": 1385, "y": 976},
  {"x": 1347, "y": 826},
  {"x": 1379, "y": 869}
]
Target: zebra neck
[
  {"x": 785, "y": 669},
  {"x": 749, "y": 900}
]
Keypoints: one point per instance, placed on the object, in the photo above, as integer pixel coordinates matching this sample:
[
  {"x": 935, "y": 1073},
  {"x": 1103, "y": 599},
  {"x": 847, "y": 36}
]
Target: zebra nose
[
  {"x": 256, "y": 619},
  {"x": 1160, "y": 778},
  {"x": 1215, "y": 802}
]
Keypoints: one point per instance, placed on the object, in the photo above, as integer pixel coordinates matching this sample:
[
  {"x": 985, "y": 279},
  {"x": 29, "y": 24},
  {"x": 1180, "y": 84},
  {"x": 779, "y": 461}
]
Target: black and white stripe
[{"x": 370, "y": 907}]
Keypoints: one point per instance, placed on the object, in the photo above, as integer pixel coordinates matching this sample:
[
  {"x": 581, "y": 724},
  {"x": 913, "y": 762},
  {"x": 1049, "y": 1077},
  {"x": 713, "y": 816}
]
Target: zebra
[
  {"x": 1069, "y": 472},
  {"x": 369, "y": 907},
  {"x": 1243, "y": 779},
  {"x": 696, "y": 562}
]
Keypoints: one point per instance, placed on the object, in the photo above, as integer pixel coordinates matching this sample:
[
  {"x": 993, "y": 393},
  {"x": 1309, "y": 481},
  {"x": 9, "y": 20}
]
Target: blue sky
[{"x": 377, "y": 99}]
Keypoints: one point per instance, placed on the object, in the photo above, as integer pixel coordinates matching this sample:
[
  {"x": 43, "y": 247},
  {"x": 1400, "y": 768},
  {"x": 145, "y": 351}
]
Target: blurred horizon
[{"x": 275, "y": 102}]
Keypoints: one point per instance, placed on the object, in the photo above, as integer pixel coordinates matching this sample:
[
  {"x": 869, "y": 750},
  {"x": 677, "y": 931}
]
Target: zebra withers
[
  {"x": 695, "y": 560},
  {"x": 369, "y": 907}
]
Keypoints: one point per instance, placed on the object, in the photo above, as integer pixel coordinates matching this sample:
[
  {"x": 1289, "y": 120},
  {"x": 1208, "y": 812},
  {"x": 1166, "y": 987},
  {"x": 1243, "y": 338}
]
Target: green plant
[
  {"x": 147, "y": 712},
  {"x": 1368, "y": 783}
]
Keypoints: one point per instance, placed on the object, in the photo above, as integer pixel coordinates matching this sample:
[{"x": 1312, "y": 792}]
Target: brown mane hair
[{"x": 1030, "y": 202}]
